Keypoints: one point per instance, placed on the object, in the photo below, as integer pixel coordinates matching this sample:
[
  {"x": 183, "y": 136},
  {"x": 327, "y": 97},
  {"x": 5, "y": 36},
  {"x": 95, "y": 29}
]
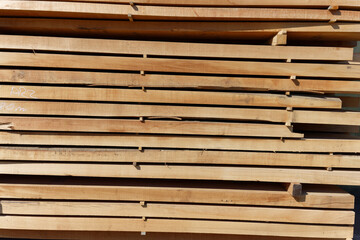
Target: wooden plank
[
  {"x": 185, "y": 172},
  {"x": 176, "y": 81},
  {"x": 173, "y": 48},
  {"x": 166, "y": 96},
  {"x": 218, "y": 31},
  {"x": 243, "y": 194},
  {"x": 89, "y": 235},
  {"x": 185, "y": 211},
  {"x": 116, "y": 11},
  {"x": 135, "y": 110},
  {"x": 178, "y": 65},
  {"x": 182, "y": 156},
  {"x": 146, "y": 126},
  {"x": 337, "y": 118},
  {"x": 221, "y": 143},
  {"x": 159, "y": 225},
  {"x": 245, "y": 3}
]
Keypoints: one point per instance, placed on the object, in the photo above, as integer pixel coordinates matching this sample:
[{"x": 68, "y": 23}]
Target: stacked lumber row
[
  {"x": 200, "y": 127},
  {"x": 88, "y": 208},
  {"x": 182, "y": 10}
]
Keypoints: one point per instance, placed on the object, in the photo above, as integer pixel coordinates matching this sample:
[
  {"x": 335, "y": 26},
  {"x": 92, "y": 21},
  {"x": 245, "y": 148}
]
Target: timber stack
[{"x": 178, "y": 119}]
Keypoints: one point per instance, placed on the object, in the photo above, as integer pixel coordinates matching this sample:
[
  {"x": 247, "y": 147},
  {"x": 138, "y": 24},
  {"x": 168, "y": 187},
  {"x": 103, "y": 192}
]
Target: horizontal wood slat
[
  {"x": 136, "y": 126},
  {"x": 167, "y": 96},
  {"x": 132, "y": 110},
  {"x": 57, "y": 208},
  {"x": 176, "y": 81},
  {"x": 223, "y": 143},
  {"x": 116, "y": 11},
  {"x": 260, "y": 194},
  {"x": 173, "y": 48},
  {"x": 185, "y": 172},
  {"x": 158, "y": 225},
  {"x": 224, "y": 31},
  {"x": 280, "y": 3},
  {"x": 174, "y": 156},
  {"x": 178, "y": 65},
  {"x": 135, "y": 110}
]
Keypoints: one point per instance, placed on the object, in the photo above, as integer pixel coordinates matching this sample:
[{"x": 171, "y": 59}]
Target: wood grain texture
[
  {"x": 184, "y": 211},
  {"x": 271, "y": 3},
  {"x": 166, "y": 111},
  {"x": 177, "y": 81},
  {"x": 217, "y": 31},
  {"x": 55, "y": 9},
  {"x": 178, "y": 65},
  {"x": 167, "y": 96},
  {"x": 243, "y": 195},
  {"x": 182, "y": 156},
  {"x": 173, "y": 48},
  {"x": 159, "y": 225},
  {"x": 185, "y": 172},
  {"x": 146, "y": 126},
  {"x": 220, "y": 143},
  {"x": 136, "y": 110}
]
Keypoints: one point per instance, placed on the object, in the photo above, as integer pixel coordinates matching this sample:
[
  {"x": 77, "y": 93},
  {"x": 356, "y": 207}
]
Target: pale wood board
[
  {"x": 191, "y": 142},
  {"x": 89, "y": 235},
  {"x": 216, "y": 31},
  {"x": 176, "y": 81},
  {"x": 166, "y": 111},
  {"x": 55, "y": 9},
  {"x": 167, "y": 96},
  {"x": 268, "y": 3},
  {"x": 265, "y": 196},
  {"x": 179, "y": 156},
  {"x": 146, "y": 126},
  {"x": 178, "y": 65},
  {"x": 184, "y": 172},
  {"x": 173, "y": 48},
  {"x": 184, "y": 211},
  {"x": 181, "y": 226}
]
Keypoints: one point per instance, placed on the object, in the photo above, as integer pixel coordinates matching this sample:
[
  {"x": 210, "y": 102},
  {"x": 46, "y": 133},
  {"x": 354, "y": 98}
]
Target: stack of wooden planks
[{"x": 176, "y": 119}]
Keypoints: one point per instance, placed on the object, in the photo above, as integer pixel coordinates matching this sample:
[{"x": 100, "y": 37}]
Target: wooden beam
[
  {"x": 173, "y": 48},
  {"x": 166, "y": 96},
  {"x": 148, "y": 126},
  {"x": 185, "y": 172},
  {"x": 184, "y": 211},
  {"x": 181, "y": 156},
  {"x": 159, "y": 225},
  {"x": 53, "y": 9},
  {"x": 337, "y": 118},
  {"x": 218, "y": 31},
  {"x": 178, "y": 65},
  {"x": 262, "y": 3},
  {"x": 135, "y": 110},
  {"x": 267, "y": 195},
  {"x": 221, "y": 143},
  {"x": 176, "y": 81}
]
